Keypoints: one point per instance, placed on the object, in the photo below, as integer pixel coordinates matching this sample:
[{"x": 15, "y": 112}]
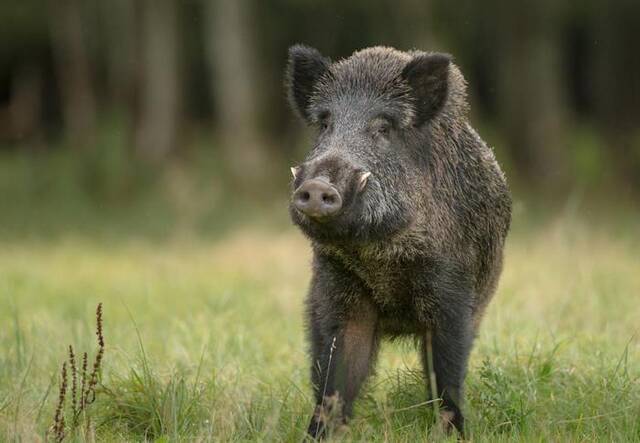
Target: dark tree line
[{"x": 557, "y": 83}]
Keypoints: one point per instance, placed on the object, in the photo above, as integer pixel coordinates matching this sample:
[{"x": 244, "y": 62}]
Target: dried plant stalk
[
  {"x": 80, "y": 399},
  {"x": 83, "y": 380},
  {"x": 74, "y": 385},
  {"x": 57, "y": 428},
  {"x": 90, "y": 394}
]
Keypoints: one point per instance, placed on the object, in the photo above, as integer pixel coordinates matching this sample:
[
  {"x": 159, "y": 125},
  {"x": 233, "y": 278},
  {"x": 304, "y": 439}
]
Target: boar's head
[{"x": 363, "y": 179}]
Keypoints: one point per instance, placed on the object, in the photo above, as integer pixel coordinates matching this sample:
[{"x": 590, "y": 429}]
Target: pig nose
[{"x": 317, "y": 198}]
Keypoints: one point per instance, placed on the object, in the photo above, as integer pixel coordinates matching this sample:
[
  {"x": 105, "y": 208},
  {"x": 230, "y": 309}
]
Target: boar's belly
[{"x": 399, "y": 322}]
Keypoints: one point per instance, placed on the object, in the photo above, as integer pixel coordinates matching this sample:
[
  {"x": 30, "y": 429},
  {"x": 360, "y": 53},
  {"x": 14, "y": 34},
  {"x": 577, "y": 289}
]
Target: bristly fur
[{"x": 418, "y": 251}]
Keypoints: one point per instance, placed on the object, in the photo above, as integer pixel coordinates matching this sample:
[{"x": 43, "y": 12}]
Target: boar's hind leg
[
  {"x": 343, "y": 354},
  {"x": 450, "y": 347}
]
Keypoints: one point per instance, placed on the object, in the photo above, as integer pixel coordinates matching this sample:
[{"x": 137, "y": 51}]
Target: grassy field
[{"x": 204, "y": 340}]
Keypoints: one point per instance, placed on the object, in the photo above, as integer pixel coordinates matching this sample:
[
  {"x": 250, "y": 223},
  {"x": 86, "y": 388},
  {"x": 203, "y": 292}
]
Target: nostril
[
  {"x": 328, "y": 198},
  {"x": 305, "y": 196}
]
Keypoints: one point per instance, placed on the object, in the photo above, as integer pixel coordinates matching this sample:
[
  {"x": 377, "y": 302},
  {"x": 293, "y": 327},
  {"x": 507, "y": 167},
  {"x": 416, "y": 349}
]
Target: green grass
[{"x": 204, "y": 340}]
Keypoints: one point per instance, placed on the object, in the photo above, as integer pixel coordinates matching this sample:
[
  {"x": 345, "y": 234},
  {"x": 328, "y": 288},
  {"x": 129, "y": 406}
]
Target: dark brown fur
[{"x": 419, "y": 251}]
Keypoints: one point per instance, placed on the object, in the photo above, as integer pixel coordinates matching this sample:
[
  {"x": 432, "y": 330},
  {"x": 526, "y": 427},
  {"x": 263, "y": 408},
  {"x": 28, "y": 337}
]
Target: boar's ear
[
  {"x": 306, "y": 65},
  {"x": 428, "y": 76}
]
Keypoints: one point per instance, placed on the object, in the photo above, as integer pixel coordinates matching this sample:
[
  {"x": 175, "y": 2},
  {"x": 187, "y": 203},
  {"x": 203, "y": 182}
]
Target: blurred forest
[{"x": 119, "y": 88}]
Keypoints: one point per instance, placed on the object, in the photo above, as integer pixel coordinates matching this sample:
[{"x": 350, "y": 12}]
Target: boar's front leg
[
  {"x": 447, "y": 307},
  {"x": 343, "y": 346},
  {"x": 449, "y": 344}
]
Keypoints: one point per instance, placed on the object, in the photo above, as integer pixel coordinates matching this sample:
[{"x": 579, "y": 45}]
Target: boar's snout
[{"x": 317, "y": 198}]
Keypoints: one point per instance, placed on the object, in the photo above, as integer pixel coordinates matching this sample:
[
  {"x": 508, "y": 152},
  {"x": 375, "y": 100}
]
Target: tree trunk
[
  {"x": 25, "y": 107},
  {"x": 235, "y": 87},
  {"x": 73, "y": 71},
  {"x": 158, "y": 101},
  {"x": 532, "y": 106},
  {"x": 617, "y": 89},
  {"x": 119, "y": 23}
]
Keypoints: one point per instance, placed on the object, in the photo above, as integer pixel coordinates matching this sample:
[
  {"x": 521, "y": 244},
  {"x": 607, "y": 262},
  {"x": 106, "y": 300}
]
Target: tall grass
[{"x": 206, "y": 341}]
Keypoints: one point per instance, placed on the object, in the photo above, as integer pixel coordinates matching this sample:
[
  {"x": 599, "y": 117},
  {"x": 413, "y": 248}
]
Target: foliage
[{"x": 552, "y": 83}]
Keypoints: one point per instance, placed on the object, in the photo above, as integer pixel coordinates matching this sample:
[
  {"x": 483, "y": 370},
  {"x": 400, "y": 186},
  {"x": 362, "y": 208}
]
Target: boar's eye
[
  {"x": 323, "y": 121},
  {"x": 381, "y": 126}
]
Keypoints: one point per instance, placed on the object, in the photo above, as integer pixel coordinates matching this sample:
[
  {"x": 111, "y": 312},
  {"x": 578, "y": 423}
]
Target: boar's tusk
[
  {"x": 294, "y": 171},
  {"x": 362, "y": 182}
]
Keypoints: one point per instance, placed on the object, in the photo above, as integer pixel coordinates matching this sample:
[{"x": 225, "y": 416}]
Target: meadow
[{"x": 205, "y": 339}]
